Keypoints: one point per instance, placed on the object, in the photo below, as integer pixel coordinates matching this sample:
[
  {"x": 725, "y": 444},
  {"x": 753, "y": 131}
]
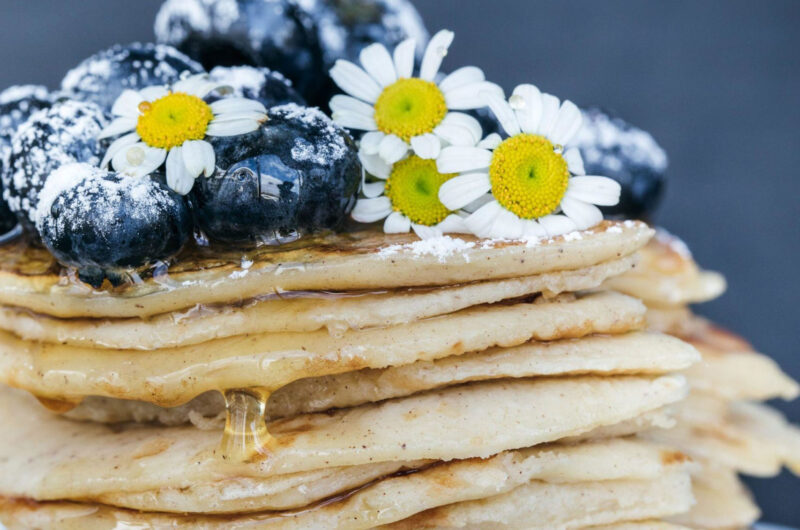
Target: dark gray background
[{"x": 716, "y": 82}]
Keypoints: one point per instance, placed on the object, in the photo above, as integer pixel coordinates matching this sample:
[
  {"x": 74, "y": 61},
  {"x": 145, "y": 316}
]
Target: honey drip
[
  {"x": 58, "y": 406},
  {"x": 246, "y": 437}
]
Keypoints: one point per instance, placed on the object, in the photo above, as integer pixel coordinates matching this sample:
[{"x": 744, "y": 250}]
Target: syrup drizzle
[{"x": 246, "y": 437}]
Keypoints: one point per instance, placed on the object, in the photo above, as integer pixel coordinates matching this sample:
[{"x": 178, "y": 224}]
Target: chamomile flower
[
  {"x": 406, "y": 197},
  {"x": 171, "y": 123},
  {"x": 403, "y": 113},
  {"x": 530, "y": 184}
]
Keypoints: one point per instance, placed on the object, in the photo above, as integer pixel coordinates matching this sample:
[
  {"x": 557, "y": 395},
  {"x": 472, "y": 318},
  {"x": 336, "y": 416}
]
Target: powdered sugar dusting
[
  {"x": 675, "y": 243},
  {"x": 440, "y": 247},
  {"x": 609, "y": 142},
  {"x": 16, "y": 93},
  {"x": 334, "y": 146}
]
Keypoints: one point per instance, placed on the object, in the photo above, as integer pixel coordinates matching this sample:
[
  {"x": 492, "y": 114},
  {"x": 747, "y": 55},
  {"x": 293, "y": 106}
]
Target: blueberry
[
  {"x": 66, "y": 132},
  {"x": 271, "y": 33},
  {"x": 102, "y": 77},
  {"x": 297, "y": 174},
  {"x": 105, "y": 224},
  {"x": 347, "y": 26},
  {"x": 259, "y": 83},
  {"x": 614, "y": 148},
  {"x": 17, "y": 103}
]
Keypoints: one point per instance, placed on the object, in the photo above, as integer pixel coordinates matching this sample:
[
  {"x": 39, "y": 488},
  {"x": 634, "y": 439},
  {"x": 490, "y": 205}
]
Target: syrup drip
[
  {"x": 57, "y": 406},
  {"x": 246, "y": 437}
]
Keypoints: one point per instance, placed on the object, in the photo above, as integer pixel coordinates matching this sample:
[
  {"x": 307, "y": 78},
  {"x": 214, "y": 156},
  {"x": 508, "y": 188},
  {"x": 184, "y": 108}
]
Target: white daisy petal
[
  {"x": 584, "y": 215},
  {"x": 195, "y": 156},
  {"x": 550, "y": 106},
  {"x": 454, "y": 135},
  {"x": 355, "y": 81},
  {"x": 178, "y": 176},
  {"x": 404, "y": 58},
  {"x": 152, "y": 93},
  {"x": 533, "y": 229},
  {"x": 138, "y": 160},
  {"x": 190, "y": 84},
  {"x": 127, "y": 104},
  {"x": 459, "y": 159},
  {"x": 118, "y": 126},
  {"x": 557, "y": 225},
  {"x": 453, "y": 224},
  {"x": 371, "y": 210},
  {"x": 392, "y": 148},
  {"x": 373, "y": 189},
  {"x": 475, "y": 205},
  {"x": 507, "y": 225},
  {"x": 491, "y": 142},
  {"x": 232, "y": 127},
  {"x": 568, "y": 123},
  {"x": 466, "y": 121},
  {"x": 435, "y": 53},
  {"x": 351, "y": 120},
  {"x": 427, "y": 146},
  {"x": 463, "y": 76},
  {"x": 396, "y": 223},
  {"x": 235, "y": 116},
  {"x": 371, "y": 141},
  {"x": 527, "y": 103},
  {"x": 464, "y": 189},
  {"x": 375, "y": 165},
  {"x": 503, "y": 112},
  {"x": 234, "y": 105},
  {"x": 426, "y": 232},
  {"x": 480, "y": 223},
  {"x": 378, "y": 63},
  {"x": 601, "y": 191},
  {"x": 574, "y": 161},
  {"x": 345, "y": 104},
  {"x": 468, "y": 97},
  {"x": 116, "y": 145}
]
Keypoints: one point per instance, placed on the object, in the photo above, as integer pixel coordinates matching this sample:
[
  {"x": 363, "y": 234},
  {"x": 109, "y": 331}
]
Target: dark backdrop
[{"x": 716, "y": 82}]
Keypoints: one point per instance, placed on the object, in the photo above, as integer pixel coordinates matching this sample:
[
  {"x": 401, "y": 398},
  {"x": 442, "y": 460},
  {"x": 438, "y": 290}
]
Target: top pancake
[{"x": 31, "y": 279}]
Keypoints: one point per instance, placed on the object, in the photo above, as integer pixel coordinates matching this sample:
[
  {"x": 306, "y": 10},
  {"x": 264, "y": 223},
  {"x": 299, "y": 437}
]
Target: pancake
[
  {"x": 547, "y": 506},
  {"x": 722, "y": 501},
  {"x": 73, "y": 460},
  {"x": 668, "y": 276},
  {"x": 175, "y": 376},
  {"x": 31, "y": 279},
  {"x": 295, "y": 312},
  {"x": 561, "y": 506},
  {"x": 750, "y": 438},
  {"x": 631, "y": 353},
  {"x": 639, "y": 525},
  {"x": 612, "y": 467}
]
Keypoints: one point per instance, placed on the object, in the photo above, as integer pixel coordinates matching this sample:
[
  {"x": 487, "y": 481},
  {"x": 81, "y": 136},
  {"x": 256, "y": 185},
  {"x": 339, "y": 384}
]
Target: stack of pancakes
[
  {"x": 721, "y": 424},
  {"x": 347, "y": 381}
]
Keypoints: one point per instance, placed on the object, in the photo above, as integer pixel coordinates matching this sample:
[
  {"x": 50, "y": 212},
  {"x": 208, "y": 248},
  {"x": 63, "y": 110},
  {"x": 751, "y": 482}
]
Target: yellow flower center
[
  {"x": 173, "y": 119},
  {"x": 413, "y": 188},
  {"x": 410, "y": 107},
  {"x": 528, "y": 176}
]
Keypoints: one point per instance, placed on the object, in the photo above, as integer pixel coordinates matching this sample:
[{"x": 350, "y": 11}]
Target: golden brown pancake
[
  {"x": 31, "y": 279},
  {"x": 174, "y": 376}
]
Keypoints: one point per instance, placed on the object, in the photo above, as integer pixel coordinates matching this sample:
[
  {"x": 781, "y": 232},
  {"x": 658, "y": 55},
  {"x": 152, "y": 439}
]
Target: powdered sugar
[
  {"x": 440, "y": 247},
  {"x": 177, "y": 17},
  {"x": 18, "y": 92},
  {"x": 332, "y": 145}
]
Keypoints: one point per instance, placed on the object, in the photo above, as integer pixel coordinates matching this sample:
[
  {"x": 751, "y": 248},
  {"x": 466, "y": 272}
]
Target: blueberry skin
[
  {"x": 259, "y": 83},
  {"x": 272, "y": 33},
  {"x": 101, "y": 78},
  {"x": 347, "y": 26},
  {"x": 63, "y": 133},
  {"x": 17, "y": 103},
  {"x": 105, "y": 224},
  {"x": 297, "y": 174},
  {"x": 614, "y": 148}
]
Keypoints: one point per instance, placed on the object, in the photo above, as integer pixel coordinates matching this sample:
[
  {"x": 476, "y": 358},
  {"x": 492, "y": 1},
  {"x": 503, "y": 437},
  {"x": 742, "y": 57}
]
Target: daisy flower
[
  {"x": 406, "y": 197},
  {"x": 170, "y": 123},
  {"x": 402, "y": 113},
  {"x": 531, "y": 183}
]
